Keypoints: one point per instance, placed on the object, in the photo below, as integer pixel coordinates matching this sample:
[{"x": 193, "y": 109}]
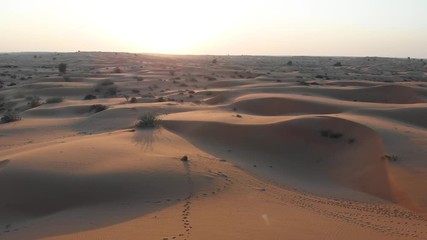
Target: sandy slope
[{"x": 308, "y": 151}]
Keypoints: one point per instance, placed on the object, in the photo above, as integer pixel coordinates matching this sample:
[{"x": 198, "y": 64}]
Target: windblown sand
[{"x": 306, "y": 150}]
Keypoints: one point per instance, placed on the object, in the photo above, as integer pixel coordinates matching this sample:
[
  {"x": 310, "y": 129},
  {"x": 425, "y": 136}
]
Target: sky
[{"x": 388, "y": 28}]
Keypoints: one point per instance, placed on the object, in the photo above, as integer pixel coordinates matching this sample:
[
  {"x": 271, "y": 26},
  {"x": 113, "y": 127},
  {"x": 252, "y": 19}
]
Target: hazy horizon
[{"x": 271, "y": 27}]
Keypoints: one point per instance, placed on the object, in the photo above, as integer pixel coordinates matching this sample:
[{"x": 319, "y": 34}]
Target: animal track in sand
[
  {"x": 189, "y": 199},
  {"x": 389, "y": 220}
]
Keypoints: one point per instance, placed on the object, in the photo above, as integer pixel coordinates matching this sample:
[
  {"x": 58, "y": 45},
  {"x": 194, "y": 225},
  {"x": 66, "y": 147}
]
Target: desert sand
[{"x": 277, "y": 147}]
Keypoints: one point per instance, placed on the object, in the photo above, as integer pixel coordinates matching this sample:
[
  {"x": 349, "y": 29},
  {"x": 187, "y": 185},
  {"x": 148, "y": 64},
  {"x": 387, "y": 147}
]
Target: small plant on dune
[
  {"x": 34, "y": 101},
  {"x": 330, "y": 134},
  {"x": 391, "y": 158},
  {"x": 54, "y": 100},
  {"x": 148, "y": 120},
  {"x": 133, "y": 100},
  {"x": 107, "y": 87},
  {"x": 111, "y": 91},
  {"x": 97, "y": 108},
  {"x": 338, "y": 64},
  {"x": 89, "y": 97},
  {"x": 138, "y": 78},
  {"x": 62, "y": 67},
  {"x": 303, "y": 83},
  {"x": 335, "y": 135},
  {"x": 117, "y": 70},
  {"x": 10, "y": 116},
  {"x": 289, "y": 63},
  {"x": 106, "y": 82}
]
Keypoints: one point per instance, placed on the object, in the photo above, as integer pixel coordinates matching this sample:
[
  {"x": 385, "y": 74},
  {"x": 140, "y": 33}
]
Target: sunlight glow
[
  {"x": 155, "y": 26},
  {"x": 265, "y": 27}
]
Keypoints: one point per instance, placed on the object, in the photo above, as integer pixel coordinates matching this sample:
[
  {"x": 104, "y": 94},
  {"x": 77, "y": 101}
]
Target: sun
[{"x": 160, "y": 26}]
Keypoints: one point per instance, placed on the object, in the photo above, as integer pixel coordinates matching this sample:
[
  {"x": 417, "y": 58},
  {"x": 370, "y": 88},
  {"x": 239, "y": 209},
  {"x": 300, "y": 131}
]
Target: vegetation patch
[
  {"x": 391, "y": 158},
  {"x": 62, "y": 67},
  {"x": 34, "y": 101},
  {"x": 97, "y": 108},
  {"x": 89, "y": 97},
  {"x": 330, "y": 134},
  {"x": 10, "y": 117},
  {"x": 148, "y": 120}
]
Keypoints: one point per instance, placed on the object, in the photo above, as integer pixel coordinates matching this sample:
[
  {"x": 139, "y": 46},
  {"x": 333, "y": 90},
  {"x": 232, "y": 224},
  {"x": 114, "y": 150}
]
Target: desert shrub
[
  {"x": 62, "y": 67},
  {"x": 210, "y": 78},
  {"x": 138, "y": 78},
  {"x": 89, "y": 97},
  {"x": 303, "y": 83},
  {"x": 10, "y": 117},
  {"x": 289, "y": 63},
  {"x": 117, "y": 70},
  {"x": 338, "y": 64},
  {"x": 335, "y": 135},
  {"x": 107, "y": 87},
  {"x": 391, "y": 158},
  {"x": 148, "y": 120},
  {"x": 34, "y": 102},
  {"x": 135, "y": 91},
  {"x": 97, "y": 108},
  {"x": 106, "y": 82},
  {"x": 133, "y": 100},
  {"x": 330, "y": 134},
  {"x": 111, "y": 91},
  {"x": 54, "y": 100}
]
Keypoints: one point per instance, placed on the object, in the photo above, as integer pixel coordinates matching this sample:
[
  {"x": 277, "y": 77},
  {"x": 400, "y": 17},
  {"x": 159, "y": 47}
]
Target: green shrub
[{"x": 148, "y": 120}]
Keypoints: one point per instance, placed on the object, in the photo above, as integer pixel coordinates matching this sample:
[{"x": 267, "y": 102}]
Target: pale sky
[{"x": 391, "y": 28}]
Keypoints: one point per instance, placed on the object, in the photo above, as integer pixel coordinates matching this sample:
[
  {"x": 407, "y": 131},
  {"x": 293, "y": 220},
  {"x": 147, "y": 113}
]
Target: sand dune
[
  {"x": 411, "y": 115},
  {"x": 272, "y": 151},
  {"x": 297, "y": 149},
  {"x": 273, "y": 105},
  {"x": 380, "y": 94}
]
